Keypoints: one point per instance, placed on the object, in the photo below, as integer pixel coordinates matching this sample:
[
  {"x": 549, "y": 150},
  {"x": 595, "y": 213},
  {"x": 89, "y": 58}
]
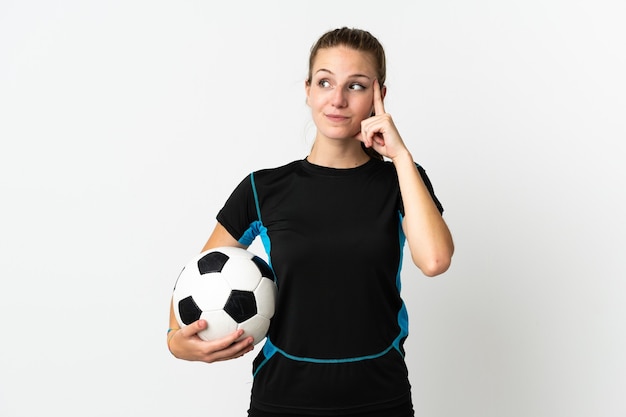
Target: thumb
[
  {"x": 201, "y": 325},
  {"x": 195, "y": 327}
]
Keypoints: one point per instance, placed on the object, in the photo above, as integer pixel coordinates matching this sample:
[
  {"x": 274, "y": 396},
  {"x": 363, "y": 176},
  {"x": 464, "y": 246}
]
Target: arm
[
  {"x": 429, "y": 239},
  {"x": 186, "y": 344},
  {"x": 428, "y": 236}
]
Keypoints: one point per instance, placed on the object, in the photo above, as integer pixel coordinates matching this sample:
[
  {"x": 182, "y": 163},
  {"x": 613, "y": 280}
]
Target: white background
[{"x": 124, "y": 126}]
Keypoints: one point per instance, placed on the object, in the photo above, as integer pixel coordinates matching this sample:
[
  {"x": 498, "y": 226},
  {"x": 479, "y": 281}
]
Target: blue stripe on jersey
[
  {"x": 269, "y": 350},
  {"x": 403, "y": 315},
  {"x": 254, "y": 230},
  {"x": 256, "y": 197}
]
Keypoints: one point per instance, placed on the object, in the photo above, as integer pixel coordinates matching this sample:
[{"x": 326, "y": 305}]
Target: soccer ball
[{"x": 231, "y": 288}]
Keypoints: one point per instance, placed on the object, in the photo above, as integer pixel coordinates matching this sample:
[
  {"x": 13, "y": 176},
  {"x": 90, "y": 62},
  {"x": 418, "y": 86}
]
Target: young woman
[{"x": 334, "y": 226}]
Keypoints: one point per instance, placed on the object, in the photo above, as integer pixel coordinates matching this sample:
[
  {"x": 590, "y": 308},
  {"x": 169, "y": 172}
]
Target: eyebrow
[{"x": 351, "y": 76}]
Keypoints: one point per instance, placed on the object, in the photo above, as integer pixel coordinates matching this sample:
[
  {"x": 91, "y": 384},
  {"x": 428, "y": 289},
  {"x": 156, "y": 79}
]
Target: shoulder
[
  {"x": 265, "y": 176},
  {"x": 279, "y": 169},
  {"x": 275, "y": 173}
]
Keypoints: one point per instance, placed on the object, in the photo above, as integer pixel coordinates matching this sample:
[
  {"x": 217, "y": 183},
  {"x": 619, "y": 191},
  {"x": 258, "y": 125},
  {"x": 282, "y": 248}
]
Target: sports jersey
[{"x": 334, "y": 240}]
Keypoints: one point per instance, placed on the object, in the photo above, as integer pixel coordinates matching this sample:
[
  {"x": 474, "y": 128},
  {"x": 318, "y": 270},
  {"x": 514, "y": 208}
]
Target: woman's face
[{"x": 341, "y": 92}]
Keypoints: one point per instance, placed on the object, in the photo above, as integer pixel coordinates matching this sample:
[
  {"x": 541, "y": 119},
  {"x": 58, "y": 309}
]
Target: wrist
[
  {"x": 170, "y": 333},
  {"x": 402, "y": 157}
]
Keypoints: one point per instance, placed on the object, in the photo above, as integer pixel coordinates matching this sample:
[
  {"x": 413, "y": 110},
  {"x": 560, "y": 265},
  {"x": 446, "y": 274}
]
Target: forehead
[{"x": 344, "y": 61}]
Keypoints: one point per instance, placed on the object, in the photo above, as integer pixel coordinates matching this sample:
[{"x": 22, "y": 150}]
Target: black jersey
[{"x": 334, "y": 240}]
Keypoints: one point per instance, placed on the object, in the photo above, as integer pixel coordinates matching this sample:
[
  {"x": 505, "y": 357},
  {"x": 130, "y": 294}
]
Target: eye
[
  {"x": 324, "y": 83},
  {"x": 357, "y": 86}
]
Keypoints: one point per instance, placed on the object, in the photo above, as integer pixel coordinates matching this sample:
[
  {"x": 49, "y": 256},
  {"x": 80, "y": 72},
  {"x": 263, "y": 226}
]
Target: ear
[
  {"x": 307, "y": 90},
  {"x": 383, "y": 92}
]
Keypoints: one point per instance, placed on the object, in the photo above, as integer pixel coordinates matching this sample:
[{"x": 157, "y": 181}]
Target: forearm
[
  {"x": 173, "y": 321},
  {"x": 428, "y": 236},
  {"x": 173, "y": 326}
]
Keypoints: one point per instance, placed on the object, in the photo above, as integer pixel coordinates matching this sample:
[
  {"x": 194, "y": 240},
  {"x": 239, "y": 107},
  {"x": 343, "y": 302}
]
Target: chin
[{"x": 339, "y": 134}]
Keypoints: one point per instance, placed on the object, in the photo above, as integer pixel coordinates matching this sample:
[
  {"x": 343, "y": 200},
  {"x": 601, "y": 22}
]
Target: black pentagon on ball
[
  {"x": 241, "y": 305},
  {"x": 188, "y": 310},
  {"x": 212, "y": 262},
  {"x": 265, "y": 269}
]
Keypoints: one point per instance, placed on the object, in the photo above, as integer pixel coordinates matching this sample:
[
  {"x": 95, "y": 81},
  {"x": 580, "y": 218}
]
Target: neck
[{"x": 333, "y": 156}]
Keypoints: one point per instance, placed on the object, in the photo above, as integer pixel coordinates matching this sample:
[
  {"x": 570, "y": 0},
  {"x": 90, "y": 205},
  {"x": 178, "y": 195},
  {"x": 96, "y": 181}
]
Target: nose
[{"x": 338, "y": 97}]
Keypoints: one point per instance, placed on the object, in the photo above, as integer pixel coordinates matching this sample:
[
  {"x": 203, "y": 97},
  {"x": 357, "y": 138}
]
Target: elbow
[
  {"x": 435, "y": 268},
  {"x": 434, "y": 265}
]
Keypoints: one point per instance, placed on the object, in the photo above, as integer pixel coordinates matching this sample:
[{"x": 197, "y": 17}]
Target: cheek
[
  {"x": 366, "y": 109},
  {"x": 315, "y": 102}
]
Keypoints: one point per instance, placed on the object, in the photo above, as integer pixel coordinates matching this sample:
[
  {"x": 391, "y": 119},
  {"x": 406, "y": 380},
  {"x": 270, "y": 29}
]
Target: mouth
[{"x": 336, "y": 118}]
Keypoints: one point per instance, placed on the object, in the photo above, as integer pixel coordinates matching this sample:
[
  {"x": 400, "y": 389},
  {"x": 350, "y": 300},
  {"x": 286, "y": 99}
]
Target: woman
[{"x": 334, "y": 225}]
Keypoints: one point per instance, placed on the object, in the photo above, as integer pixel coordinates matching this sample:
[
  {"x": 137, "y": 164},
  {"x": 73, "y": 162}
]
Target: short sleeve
[
  {"x": 239, "y": 212},
  {"x": 429, "y": 186}
]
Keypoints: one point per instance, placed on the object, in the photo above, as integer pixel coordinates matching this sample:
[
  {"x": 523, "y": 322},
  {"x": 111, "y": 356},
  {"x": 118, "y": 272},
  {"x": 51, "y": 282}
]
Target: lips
[{"x": 336, "y": 118}]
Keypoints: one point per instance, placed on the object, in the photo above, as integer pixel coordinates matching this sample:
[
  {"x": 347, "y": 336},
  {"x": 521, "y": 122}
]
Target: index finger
[{"x": 379, "y": 108}]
